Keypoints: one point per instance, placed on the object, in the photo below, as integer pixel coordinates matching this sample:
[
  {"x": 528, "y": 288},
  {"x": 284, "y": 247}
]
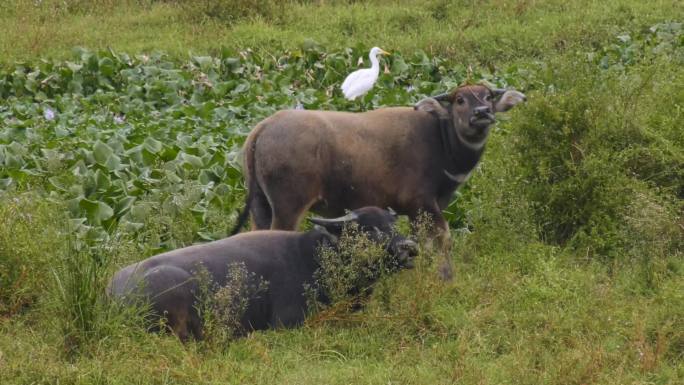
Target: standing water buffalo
[
  {"x": 285, "y": 260},
  {"x": 410, "y": 159}
]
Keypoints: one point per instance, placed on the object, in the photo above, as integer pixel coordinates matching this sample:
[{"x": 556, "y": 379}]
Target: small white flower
[
  {"x": 409, "y": 88},
  {"x": 119, "y": 119},
  {"x": 299, "y": 106},
  {"x": 49, "y": 114}
]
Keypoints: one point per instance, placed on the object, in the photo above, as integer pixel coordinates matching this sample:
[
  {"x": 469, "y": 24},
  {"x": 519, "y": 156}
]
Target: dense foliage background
[{"x": 567, "y": 240}]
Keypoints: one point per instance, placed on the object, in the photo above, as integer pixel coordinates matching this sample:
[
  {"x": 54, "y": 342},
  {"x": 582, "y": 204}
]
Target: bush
[
  {"x": 223, "y": 307},
  {"x": 576, "y": 151},
  {"x": 348, "y": 269},
  {"x": 401, "y": 303}
]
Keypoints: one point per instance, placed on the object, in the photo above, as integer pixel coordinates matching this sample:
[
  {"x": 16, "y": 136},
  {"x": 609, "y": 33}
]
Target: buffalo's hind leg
[
  {"x": 288, "y": 211},
  {"x": 261, "y": 211},
  {"x": 288, "y": 217}
]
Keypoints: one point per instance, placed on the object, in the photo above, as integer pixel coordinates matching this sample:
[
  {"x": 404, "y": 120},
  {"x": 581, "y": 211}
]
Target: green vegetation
[
  {"x": 222, "y": 307},
  {"x": 494, "y": 32},
  {"x": 568, "y": 239}
]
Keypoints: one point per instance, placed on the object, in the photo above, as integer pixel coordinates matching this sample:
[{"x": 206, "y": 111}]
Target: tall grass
[
  {"x": 80, "y": 278},
  {"x": 30, "y": 242},
  {"x": 493, "y": 33}
]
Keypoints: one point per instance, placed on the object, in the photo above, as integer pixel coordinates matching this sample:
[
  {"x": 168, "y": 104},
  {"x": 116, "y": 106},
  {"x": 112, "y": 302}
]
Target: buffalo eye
[
  {"x": 487, "y": 98},
  {"x": 460, "y": 101}
]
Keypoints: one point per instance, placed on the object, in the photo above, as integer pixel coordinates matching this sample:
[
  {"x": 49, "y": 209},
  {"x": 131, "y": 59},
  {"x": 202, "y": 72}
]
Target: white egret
[{"x": 361, "y": 81}]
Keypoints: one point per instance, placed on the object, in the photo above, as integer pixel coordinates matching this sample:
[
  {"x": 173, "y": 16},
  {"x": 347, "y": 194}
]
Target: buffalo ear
[
  {"x": 432, "y": 106},
  {"x": 504, "y": 100},
  {"x": 330, "y": 239}
]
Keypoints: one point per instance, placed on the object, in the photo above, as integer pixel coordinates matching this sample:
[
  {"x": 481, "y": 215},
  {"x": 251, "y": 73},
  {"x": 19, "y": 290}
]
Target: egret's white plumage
[{"x": 359, "y": 82}]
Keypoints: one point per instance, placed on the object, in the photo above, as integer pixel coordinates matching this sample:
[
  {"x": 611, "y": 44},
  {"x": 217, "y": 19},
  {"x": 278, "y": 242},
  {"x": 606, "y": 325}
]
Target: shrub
[
  {"x": 348, "y": 269},
  {"x": 223, "y": 307},
  {"x": 575, "y": 150},
  {"x": 359, "y": 267}
]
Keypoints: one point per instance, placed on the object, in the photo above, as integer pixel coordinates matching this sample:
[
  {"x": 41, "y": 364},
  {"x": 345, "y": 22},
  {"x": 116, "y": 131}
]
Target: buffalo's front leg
[{"x": 439, "y": 233}]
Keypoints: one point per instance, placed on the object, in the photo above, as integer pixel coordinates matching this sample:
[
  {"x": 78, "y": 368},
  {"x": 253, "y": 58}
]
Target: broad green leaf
[
  {"x": 194, "y": 161},
  {"x": 132, "y": 226},
  {"x": 205, "y": 62},
  {"x": 102, "y": 152},
  {"x": 57, "y": 183},
  {"x": 172, "y": 177},
  {"x": 106, "y": 66},
  {"x": 96, "y": 211},
  {"x": 76, "y": 222},
  {"x": 12, "y": 161},
  {"x": 74, "y": 206},
  {"x": 102, "y": 180},
  {"x": 140, "y": 211},
  {"x": 5, "y": 183},
  {"x": 124, "y": 204},
  {"x": 222, "y": 189},
  {"x": 205, "y": 177},
  {"x": 17, "y": 148},
  {"x": 152, "y": 145},
  {"x": 74, "y": 67}
]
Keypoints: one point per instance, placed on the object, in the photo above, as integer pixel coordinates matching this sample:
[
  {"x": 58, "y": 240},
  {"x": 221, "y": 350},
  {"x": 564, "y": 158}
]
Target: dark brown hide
[
  {"x": 286, "y": 260},
  {"x": 396, "y": 157}
]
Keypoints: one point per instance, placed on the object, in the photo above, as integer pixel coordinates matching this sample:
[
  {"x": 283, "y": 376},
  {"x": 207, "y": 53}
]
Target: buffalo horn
[
  {"x": 392, "y": 212},
  {"x": 498, "y": 91},
  {"x": 442, "y": 97},
  {"x": 331, "y": 221}
]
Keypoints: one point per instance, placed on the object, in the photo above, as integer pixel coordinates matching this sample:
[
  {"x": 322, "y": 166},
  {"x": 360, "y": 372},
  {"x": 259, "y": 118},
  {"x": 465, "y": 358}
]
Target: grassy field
[
  {"x": 490, "y": 32},
  {"x": 568, "y": 239}
]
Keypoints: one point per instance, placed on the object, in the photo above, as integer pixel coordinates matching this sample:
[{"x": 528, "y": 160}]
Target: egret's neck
[{"x": 375, "y": 64}]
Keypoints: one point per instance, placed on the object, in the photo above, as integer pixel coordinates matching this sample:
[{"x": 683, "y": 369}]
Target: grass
[
  {"x": 493, "y": 32},
  {"x": 560, "y": 324},
  {"x": 568, "y": 238}
]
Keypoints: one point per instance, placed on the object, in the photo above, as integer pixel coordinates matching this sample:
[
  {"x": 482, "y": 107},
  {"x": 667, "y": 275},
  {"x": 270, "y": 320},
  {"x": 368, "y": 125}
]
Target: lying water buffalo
[
  {"x": 410, "y": 159},
  {"x": 285, "y": 260}
]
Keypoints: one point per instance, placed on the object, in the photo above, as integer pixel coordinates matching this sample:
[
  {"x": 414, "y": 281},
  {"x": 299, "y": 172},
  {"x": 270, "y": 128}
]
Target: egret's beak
[{"x": 382, "y": 51}]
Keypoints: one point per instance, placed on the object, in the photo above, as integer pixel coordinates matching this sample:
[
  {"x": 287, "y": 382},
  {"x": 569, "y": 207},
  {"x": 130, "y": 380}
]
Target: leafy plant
[
  {"x": 663, "y": 39},
  {"x": 116, "y": 136},
  {"x": 348, "y": 271},
  {"x": 222, "y": 307}
]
